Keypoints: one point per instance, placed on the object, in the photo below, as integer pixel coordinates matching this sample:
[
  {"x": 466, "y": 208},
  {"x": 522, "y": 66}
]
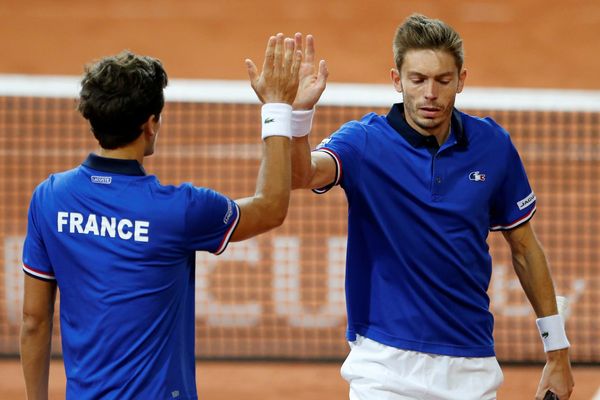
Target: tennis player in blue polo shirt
[
  {"x": 425, "y": 184},
  {"x": 120, "y": 246}
]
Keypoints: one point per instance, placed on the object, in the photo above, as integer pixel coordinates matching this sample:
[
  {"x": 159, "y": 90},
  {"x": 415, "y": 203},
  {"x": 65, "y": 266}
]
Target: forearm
[
  {"x": 301, "y": 162},
  {"x": 268, "y": 207},
  {"x": 531, "y": 267},
  {"x": 274, "y": 180},
  {"x": 35, "y": 358}
]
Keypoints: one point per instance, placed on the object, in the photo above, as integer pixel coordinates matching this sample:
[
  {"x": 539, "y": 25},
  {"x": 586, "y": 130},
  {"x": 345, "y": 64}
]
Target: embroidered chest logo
[{"x": 476, "y": 176}]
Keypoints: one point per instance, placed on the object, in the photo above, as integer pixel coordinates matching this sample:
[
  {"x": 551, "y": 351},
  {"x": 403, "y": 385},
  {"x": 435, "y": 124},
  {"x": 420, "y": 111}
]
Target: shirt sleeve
[
  {"x": 345, "y": 147},
  {"x": 514, "y": 203},
  {"x": 211, "y": 219},
  {"x": 36, "y": 262}
]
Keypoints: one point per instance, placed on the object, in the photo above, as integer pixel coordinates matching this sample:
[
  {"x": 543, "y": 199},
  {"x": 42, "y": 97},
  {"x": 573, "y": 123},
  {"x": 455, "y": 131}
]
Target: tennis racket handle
[{"x": 550, "y": 396}]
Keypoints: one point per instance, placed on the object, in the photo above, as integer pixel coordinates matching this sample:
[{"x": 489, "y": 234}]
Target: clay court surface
[
  {"x": 294, "y": 381},
  {"x": 532, "y": 44}
]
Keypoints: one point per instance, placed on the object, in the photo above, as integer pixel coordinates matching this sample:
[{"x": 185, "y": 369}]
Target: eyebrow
[{"x": 442, "y": 75}]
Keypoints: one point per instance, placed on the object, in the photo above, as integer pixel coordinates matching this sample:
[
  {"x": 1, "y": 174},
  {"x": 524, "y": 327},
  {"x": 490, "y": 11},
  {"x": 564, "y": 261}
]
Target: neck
[
  {"x": 124, "y": 153},
  {"x": 440, "y": 132}
]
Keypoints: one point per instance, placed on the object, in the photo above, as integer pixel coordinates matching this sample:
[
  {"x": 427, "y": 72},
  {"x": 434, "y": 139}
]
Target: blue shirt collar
[
  {"x": 397, "y": 121},
  {"x": 114, "y": 165}
]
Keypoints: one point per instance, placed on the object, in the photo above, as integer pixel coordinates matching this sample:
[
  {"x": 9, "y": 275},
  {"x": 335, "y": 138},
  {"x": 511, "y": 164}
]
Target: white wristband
[
  {"x": 302, "y": 122},
  {"x": 552, "y": 332},
  {"x": 276, "y": 120}
]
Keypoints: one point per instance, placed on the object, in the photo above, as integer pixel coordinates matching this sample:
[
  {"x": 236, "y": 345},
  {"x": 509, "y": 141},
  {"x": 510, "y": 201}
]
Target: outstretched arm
[
  {"x": 309, "y": 170},
  {"x": 531, "y": 267},
  {"x": 277, "y": 86},
  {"x": 36, "y": 335}
]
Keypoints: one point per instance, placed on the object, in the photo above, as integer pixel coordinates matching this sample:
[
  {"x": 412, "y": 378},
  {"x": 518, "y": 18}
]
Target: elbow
[
  {"x": 276, "y": 213},
  {"x": 33, "y": 324},
  {"x": 279, "y": 214}
]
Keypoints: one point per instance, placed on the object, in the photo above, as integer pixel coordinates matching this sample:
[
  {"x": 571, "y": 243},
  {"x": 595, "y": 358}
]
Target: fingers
[
  {"x": 289, "y": 54},
  {"x": 296, "y": 66},
  {"x": 279, "y": 52},
  {"x": 309, "y": 56},
  {"x": 323, "y": 73},
  {"x": 252, "y": 71},
  {"x": 298, "y": 41},
  {"x": 269, "y": 55}
]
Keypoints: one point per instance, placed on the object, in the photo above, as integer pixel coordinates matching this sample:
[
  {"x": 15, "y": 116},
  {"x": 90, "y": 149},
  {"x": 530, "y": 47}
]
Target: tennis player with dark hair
[
  {"x": 425, "y": 184},
  {"x": 120, "y": 246}
]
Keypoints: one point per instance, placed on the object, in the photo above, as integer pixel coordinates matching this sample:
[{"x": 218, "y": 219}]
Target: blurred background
[
  {"x": 531, "y": 44},
  {"x": 270, "y": 312}
]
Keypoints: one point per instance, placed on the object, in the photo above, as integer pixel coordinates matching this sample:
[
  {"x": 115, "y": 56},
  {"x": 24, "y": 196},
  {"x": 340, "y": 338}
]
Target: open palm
[{"x": 311, "y": 81}]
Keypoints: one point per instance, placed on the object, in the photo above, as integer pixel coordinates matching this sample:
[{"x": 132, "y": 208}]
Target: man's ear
[
  {"x": 395, "y": 75},
  {"x": 461, "y": 80},
  {"x": 151, "y": 125}
]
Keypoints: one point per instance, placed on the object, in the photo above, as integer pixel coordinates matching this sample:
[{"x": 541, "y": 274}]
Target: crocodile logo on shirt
[{"x": 476, "y": 176}]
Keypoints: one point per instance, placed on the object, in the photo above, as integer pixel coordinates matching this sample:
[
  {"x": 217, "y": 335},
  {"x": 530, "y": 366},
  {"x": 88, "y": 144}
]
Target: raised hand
[
  {"x": 312, "y": 81},
  {"x": 279, "y": 78}
]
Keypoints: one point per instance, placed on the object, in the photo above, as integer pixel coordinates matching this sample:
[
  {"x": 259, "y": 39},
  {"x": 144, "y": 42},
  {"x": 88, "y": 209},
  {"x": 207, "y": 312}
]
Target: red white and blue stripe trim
[
  {"x": 338, "y": 170},
  {"x": 36, "y": 273},
  {"x": 516, "y": 223},
  {"x": 229, "y": 232}
]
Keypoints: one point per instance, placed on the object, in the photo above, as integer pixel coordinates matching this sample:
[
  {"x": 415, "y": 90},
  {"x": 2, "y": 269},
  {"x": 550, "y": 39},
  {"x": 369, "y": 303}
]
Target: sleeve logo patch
[
  {"x": 103, "y": 180},
  {"x": 527, "y": 201},
  {"x": 228, "y": 214}
]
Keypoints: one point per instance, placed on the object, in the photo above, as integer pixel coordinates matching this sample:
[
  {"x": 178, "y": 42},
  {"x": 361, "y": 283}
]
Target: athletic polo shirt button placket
[
  {"x": 438, "y": 171},
  {"x": 430, "y": 142}
]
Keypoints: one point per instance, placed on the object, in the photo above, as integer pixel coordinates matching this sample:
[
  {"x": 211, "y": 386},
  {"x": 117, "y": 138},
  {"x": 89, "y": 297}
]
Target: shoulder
[
  {"x": 57, "y": 181},
  {"x": 354, "y": 132},
  {"x": 485, "y": 131},
  {"x": 187, "y": 191}
]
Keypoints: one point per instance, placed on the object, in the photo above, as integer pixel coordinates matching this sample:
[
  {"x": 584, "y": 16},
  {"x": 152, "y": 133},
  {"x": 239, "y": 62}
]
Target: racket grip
[{"x": 550, "y": 396}]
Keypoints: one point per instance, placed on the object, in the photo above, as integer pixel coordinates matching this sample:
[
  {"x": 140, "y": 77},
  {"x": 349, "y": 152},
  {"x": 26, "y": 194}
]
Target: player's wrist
[
  {"x": 552, "y": 333},
  {"x": 276, "y": 120},
  {"x": 302, "y": 122},
  {"x": 559, "y": 355}
]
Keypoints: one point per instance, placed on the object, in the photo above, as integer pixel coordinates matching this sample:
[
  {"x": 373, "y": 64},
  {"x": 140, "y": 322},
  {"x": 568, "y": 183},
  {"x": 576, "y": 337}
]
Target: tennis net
[{"x": 281, "y": 295}]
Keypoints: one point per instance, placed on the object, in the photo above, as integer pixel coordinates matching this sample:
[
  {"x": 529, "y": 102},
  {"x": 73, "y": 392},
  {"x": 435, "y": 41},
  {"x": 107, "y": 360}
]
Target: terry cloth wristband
[
  {"x": 552, "y": 331},
  {"x": 276, "y": 120},
  {"x": 302, "y": 122}
]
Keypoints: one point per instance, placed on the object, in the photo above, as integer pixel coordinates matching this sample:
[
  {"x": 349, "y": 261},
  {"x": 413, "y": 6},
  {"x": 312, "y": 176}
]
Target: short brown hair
[
  {"x": 419, "y": 32},
  {"x": 118, "y": 94}
]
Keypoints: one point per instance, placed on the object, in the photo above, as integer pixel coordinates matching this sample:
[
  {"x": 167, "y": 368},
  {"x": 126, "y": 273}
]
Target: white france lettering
[
  {"x": 108, "y": 226},
  {"x": 75, "y": 220},
  {"x": 100, "y": 225},
  {"x": 91, "y": 225},
  {"x": 61, "y": 220},
  {"x": 121, "y": 229},
  {"x": 141, "y": 231}
]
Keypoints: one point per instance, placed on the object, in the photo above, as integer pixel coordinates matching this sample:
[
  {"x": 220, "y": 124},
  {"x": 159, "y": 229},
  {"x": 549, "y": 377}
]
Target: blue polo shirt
[
  {"x": 418, "y": 265},
  {"x": 121, "y": 248}
]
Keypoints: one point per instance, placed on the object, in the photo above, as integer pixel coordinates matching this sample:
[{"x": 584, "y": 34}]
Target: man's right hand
[
  {"x": 279, "y": 78},
  {"x": 312, "y": 82}
]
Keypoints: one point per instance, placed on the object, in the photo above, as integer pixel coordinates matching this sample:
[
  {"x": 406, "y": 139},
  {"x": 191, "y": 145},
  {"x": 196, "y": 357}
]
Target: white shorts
[{"x": 379, "y": 372}]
